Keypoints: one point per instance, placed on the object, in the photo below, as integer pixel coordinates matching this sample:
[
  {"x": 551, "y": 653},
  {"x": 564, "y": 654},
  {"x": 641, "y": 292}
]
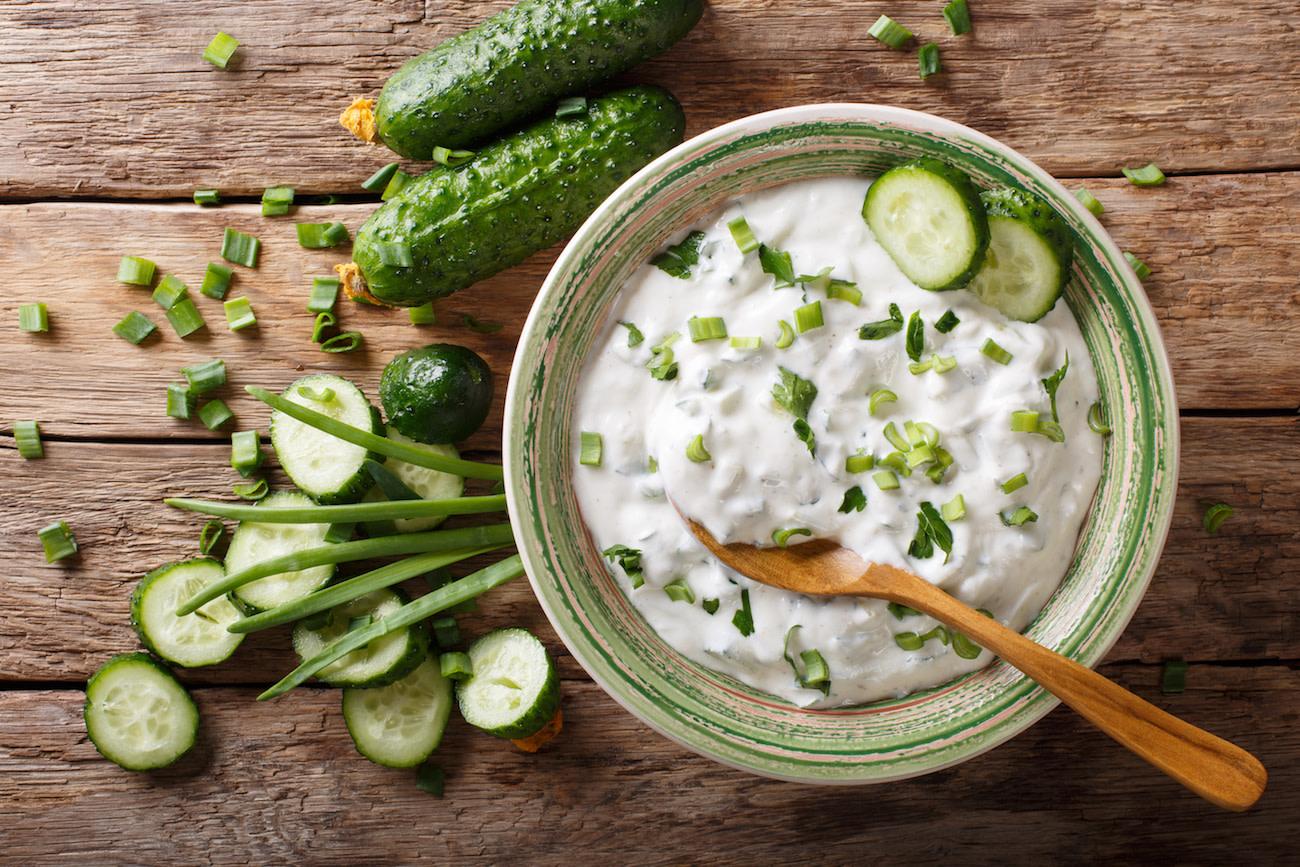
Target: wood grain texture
[{"x": 114, "y": 100}]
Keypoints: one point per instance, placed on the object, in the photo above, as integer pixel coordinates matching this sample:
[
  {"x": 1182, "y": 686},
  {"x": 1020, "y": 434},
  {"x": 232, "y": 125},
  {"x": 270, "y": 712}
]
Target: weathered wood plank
[
  {"x": 1217, "y": 597},
  {"x": 281, "y": 783},
  {"x": 106, "y": 101}
]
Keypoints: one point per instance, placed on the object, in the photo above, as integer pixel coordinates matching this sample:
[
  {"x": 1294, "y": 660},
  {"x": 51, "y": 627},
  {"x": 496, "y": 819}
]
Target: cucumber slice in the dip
[
  {"x": 1029, "y": 256},
  {"x": 929, "y": 218}
]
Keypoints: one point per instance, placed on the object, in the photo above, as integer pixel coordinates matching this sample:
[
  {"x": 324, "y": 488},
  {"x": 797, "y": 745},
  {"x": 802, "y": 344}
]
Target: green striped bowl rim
[{"x": 708, "y": 712}]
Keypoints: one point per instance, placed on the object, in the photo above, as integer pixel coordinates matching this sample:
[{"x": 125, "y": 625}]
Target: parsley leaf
[
  {"x": 744, "y": 618},
  {"x": 915, "y": 336},
  {"x": 678, "y": 259},
  {"x": 854, "y": 500},
  {"x": 634, "y": 335},
  {"x": 777, "y": 263},
  {"x": 1053, "y": 382},
  {"x": 794, "y": 393},
  {"x": 883, "y": 328}
]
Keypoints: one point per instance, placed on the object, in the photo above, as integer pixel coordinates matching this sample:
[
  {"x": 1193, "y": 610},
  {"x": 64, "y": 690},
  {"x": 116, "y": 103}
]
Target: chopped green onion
[
  {"x": 211, "y": 535},
  {"x": 859, "y": 463},
  {"x": 1014, "y": 483},
  {"x": 920, "y": 367},
  {"x": 887, "y": 31},
  {"x": 954, "y": 509},
  {"x": 451, "y": 158},
  {"x": 920, "y": 455},
  {"x": 854, "y": 500},
  {"x": 1089, "y": 201},
  {"x": 844, "y": 291},
  {"x": 661, "y": 364},
  {"x": 915, "y": 336},
  {"x": 808, "y": 317},
  {"x": 325, "y": 319},
  {"x": 315, "y": 236},
  {"x": 431, "y": 779},
  {"x": 1173, "y": 678},
  {"x": 706, "y": 328},
  {"x": 883, "y": 328},
  {"x": 996, "y": 352},
  {"x": 957, "y": 14},
  {"x": 215, "y": 413},
  {"x": 885, "y": 480},
  {"x": 276, "y": 201},
  {"x": 422, "y": 314},
  {"x": 746, "y": 343},
  {"x": 1216, "y": 515},
  {"x": 1051, "y": 430},
  {"x": 1024, "y": 421},
  {"x": 205, "y": 376},
  {"x": 481, "y": 327},
  {"x": 320, "y": 395},
  {"x": 943, "y": 363},
  {"x": 252, "y": 490},
  {"x": 815, "y": 666},
  {"x": 913, "y": 433},
  {"x": 743, "y": 235},
  {"x": 710, "y": 606},
  {"x": 696, "y": 452},
  {"x": 909, "y": 641},
  {"x": 27, "y": 437},
  {"x": 634, "y": 335},
  {"x": 679, "y": 591},
  {"x": 207, "y": 198},
  {"x": 1023, "y": 515},
  {"x": 947, "y": 322},
  {"x": 964, "y": 647},
  {"x": 324, "y": 292},
  {"x": 927, "y": 58},
  {"x": 246, "y": 452},
  {"x": 743, "y": 619},
  {"x": 397, "y": 182},
  {"x": 216, "y": 281},
  {"x": 446, "y": 631},
  {"x": 786, "y": 337},
  {"x": 591, "y": 451},
  {"x": 1097, "y": 418},
  {"x": 1139, "y": 267},
  {"x": 628, "y": 559},
  {"x": 777, "y": 263},
  {"x": 240, "y": 248},
  {"x": 929, "y": 433},
  {"x": 220, "y": 49},
  {"x": 395, "y": 254},
  {"x": 58, "y": 541},
  {"x": 879, "y": 396},
  {"x": 33, "y": 317},
  {"x": 1147, "y": 176},
  {"x": 571, "y": 105},
  {"x": 170, "y": 291},
  {"x": 239, "y": 314},
  {"x": 455, "y": 665},
  {"x": 782, "y": 537},
  {"x": 180, "y": 400},
  {"x": 379, "y": 180},
  {"x": 135, "y": 327},
  {"x": 896, "y": 439},
  {"x": 136, "y": 271},
  {"x": 345, "y": 342}
]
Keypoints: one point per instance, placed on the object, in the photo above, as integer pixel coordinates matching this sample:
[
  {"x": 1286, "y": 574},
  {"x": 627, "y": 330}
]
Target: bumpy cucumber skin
[
  {"x": 518, "y": 195},
  {"x": 518, "y": 62},
  {"x": 437, "y": 394},
  {"x": 1037, "y": 215}
]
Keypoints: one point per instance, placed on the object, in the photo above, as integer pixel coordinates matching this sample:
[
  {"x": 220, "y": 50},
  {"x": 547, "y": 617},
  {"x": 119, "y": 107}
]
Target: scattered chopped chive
[
  {"x": 211, "y": 535},
  {"x": 27, "y": 437},
  {"x": 481, "y": 327},
  {"x": 1097, "y": 418},
  {"x": 345, "y": 342},
  {"x": 170, "y": 291},
  {"x": 859, "y": 463},
  {"x": 929, "y": 433},
  {"x": 1216, "y": 515},
  {"x": 1023, "y": 515},
  {"x": 239, "y": 314},
  {"x": 397, "y": 182},
  {"x": 896, "y": 461},
  {"x": 879, "y": 396},
  {"x": 430, "y": 779},
  {"x": 947, "y": 322},
  {"x": 996, "y": 352},
  {"x": 1051, "y": 430},
  {"x": 57, "y": 540},
  {"x": 251, "y": 490},
  {"x": 696, "y": 452},
  {"x": 746, "y": 343},
  {"x": 743, "y": 619},
  {"x": 205, "y": 376},
  {"x": 854, "y": 500},
  {"x": 782, "y": 537},
  {"x": 817, "y": 672},
  {"x": 315, "y": 236},
  {"x": 571, "y": 105},
  {"x": 246, "y": 452},
  {"x": 1173, "y": 678},
  {"x": 455, "y": 665},
  {"x": 706, "y": 328},
  {"x": 920, "y": 367},
  {"x": 215, "y": 413},
  {"x": 180, "y": 400},
  {"x": 376, "y": 182},
  {"x": 661, "y": 364},
  {"x": 679, "y": 591},
  {"x": 220, "y": 49},
  {"x": 954, "y": 509},
  {"x": 207, "y": 198},
  {"x": 1024, "y": 421},
  {"x": 819, "y": 281},
  {"x": 634, "y": 335},
  {"x": 395, "y": 254},
  {"x": 808, "y": 317},
  {"x": 1089, "y": 201},
  {"x": 320, "y": 395},
  {"x": 325, "y": 319},
  {"x": 927, "y": 59},
  {"x": 887, "y": 31},
  {"x": 1139, "y": 267},
  {"x": 422, "y": 314},
  {"x": 136, "y": 271},
  {"x": 943, "y": 363},
  {"x": 1147, "y": 176},
  {"x": 896, "y": 439},
  {"x": 900, "y": 611},
  {"x": 452, "y": 158},
  {"x": 628, "y": 559},
  {"x": 743, "y": 235},
  {"x": 324, "y": 292},
  {"x": 135, "y": 327},
  {"x": 920, "y": 455},
  {"x": 913, "y": 433},
  {"x": 786, "y": 337},
  {"x": 710, "y": 606},
  {"x": 957, "y": 15},
  {"x": 446, "y": 631},
  {"x": 915, "y": 336},
  {"x": 844, "y": 291},
  {"x": 240, "y": 248},
  {"x": 909, "y": 641},
  {"x": 591, "y": 451},
  {"x": 1014, "y": 483},
  {"x": 964, "y": 647},
  {"x": 885, "y": 480},
  {"x": 777, "y": 263},
  {"x": 276, "y": 201},
  {"x": 33, "y": 317},
  {"x": 216, "y": 281}
]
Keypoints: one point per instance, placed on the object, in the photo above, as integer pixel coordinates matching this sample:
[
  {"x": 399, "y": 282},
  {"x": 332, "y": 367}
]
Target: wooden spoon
[{"x": 1210, "y": 766}]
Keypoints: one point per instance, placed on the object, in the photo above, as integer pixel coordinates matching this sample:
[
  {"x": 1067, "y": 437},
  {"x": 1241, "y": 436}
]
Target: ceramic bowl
[{"x": 708, "y": 712}]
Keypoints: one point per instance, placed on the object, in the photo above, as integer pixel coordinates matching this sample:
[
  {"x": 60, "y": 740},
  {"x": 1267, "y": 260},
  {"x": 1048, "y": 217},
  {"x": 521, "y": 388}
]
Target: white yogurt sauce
[{"x": 762, "y": 478}]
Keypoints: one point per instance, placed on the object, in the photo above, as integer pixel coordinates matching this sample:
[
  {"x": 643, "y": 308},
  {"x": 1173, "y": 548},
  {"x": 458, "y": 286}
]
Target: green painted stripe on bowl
[{"x": 708, "y": 712}]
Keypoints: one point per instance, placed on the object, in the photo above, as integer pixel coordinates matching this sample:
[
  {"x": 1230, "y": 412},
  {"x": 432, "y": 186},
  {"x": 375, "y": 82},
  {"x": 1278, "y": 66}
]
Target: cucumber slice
[
  {"x": 399, "y": 725},
  {"x": 515, "y": 689},
  {"x": 383, "y": 661},
  {"x": 429, "y": 484},
  {"x": 138, "y": 715},
  {"x": 321, "y": 465},
  {"x": 253, "y": 542},
  {"x": 1029, "y": 256},
  {"x": 196, "y": 639},
  {"x": 929, "y": 218}
]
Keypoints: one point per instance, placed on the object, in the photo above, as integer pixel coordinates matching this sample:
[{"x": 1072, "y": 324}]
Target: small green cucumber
[
  {"x": 520, "y": 194},
  {"x": 1029, "y": 256},
  {"x": 518, "y": 62}
]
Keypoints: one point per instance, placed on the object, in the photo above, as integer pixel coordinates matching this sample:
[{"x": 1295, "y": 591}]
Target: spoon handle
[{"x": 1218, "y": 771}]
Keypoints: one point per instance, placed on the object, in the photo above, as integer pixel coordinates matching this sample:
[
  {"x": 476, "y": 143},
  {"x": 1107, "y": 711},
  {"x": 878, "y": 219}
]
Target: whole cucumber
[
  {"x": 520, "y": 194},
  {"x": 517, "y": 63}
]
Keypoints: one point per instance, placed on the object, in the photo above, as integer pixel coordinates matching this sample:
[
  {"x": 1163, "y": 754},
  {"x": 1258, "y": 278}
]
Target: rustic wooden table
[{"x": 109, "y": 120}]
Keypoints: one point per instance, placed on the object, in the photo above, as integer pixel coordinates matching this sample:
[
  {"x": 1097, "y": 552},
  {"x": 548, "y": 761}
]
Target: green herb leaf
[
  {"x": 794, "y": 393},
  {"x": 634, "y": 335},
  {"x": 915, "y": 336},
  {"x": 678, "y": 259},
  {"x": 744, "y": 618},
  {"x": 883, "y": 328},
  {"x": 1053, "y": 382},
  {"x": 854, "y": 500},
  {"x": 777, "y": 263}
]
